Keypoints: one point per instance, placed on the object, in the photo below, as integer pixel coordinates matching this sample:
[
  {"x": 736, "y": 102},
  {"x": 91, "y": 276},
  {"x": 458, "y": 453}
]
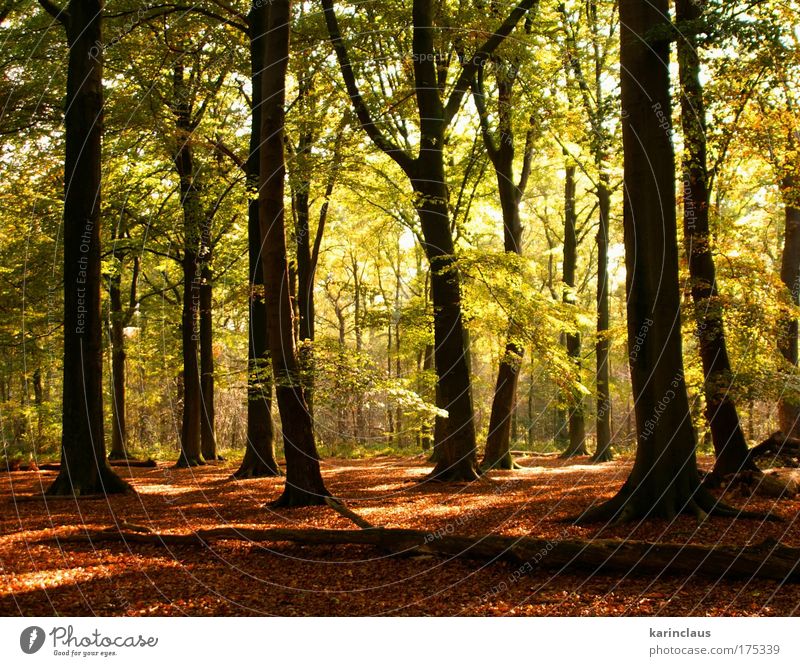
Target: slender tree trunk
[
  {"x": 120, "y": 318},
  {"x": 531, "y": 435},
  {"x": 208, "y": 437},
  {"x": 730, "y": 445},
  {"x": 118, "y": 425},
  {"x": 426, "y": 431},
  {"x": 305, "y": 285},
  {"x": 83, "y": 450},
  {"x": 192, "y": 219},
  {"x": 603, "y": 345},
  {"x": 577, "y": 424},
  {"x": 304, "y": 485},
  {"x": 259, "y": 456},
  {"x": 497, "y": 454},
  {"x": 398, "y": 417},
  {"x": 389, "y": 410},
  {"x": 789, "y": 409},
  {"x": 664, "y": 480},
  {"x": 360, "y": 421}
]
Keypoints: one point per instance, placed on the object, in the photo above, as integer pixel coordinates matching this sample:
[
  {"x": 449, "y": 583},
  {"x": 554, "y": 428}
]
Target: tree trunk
[
  {"x": 360, "y": 422},
  {"x": 769, "y": 560},
  {"x": 208, "y": 436},
  {"x": 259, "y": 457},
  {"x": 118, "y": 426},
  {"x": 577, "y": 424},
  {"x": 602, "y": 346},
  {"x": 497, "y": 454},
  {"x": 457, "y": 455},
  {"x": 789, "y": 409},
  {"x": 84, "y": 470},
  {"x": 304, "y": 485},
  {"x": 664, "y": 480},
  {"x": 192, "y": 219},
  {"x": 730, "y": 445},
  {"x": 305, "y": 283}
]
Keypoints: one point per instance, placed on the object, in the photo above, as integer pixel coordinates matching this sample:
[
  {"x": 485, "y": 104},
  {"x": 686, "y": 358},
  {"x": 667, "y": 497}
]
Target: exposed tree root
[
  {"x": 296, "y": 497},
  {"x": 256, "y": 470},
  {"x": 767, "y": 560},
  {"x": 628, "y": 506},
  {"x": 462, "y": 471},
  {"x": 103, "y": 481},
  {"x": 506, "y": 462},
  {"x": 193, "y": 461}
]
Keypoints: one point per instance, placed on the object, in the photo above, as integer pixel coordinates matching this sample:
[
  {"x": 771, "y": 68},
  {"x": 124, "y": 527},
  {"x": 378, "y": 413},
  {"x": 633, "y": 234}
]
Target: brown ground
[{"x": 40, "y": 577}]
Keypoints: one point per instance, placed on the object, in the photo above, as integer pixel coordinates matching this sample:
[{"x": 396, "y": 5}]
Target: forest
[{"x": 419, "y": 307}]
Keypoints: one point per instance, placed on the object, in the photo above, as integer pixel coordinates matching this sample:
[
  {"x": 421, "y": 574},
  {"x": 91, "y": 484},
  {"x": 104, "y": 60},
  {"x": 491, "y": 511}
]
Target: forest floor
[{"x": 40, "y": 576}]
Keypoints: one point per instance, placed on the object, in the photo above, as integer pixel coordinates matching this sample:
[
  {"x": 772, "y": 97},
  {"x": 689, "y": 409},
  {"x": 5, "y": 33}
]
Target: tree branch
[
  {"x": 470, "y": 68},
  {"x": 55, "y": 11},
  {"x": 403, "y": 159}
]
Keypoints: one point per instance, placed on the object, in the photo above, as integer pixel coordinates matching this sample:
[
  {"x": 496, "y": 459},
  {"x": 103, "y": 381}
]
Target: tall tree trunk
[
  {"x": 389, "y": 411},
  {"x": 208, "y": 436},
  {"x": 305, "y": 279},
  {"x": 259, "y": 457},
  {"x": 398, "y": 370},
  {"x": 83, "y": 450},
  {"x": 498, "y": 442},
  {"x": 119, "y": 431},
  {"x": 730, "y": 445},
  {"x": 457, "y": 455},
  {"x": 602, "y": 346},
  {"x": 426, "y": 431},
  {"x": 577, "y": 424},
  {"x": 120, "y": 318},
  {"x": 789, "y": 409},
  {"x": 192, "y": 220},
  {"x": 664, "y": 480},
  {"x": 304, "y": 485}
]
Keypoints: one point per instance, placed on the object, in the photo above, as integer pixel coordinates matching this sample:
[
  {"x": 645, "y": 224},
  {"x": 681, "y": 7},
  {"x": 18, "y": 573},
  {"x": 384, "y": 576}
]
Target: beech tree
[
  {"x": 304, "y": 485},
  {"x": 730, "y": 446},
  {"x": 457, "y": 455},
  {"x": 259, "y": 458},
  {"x": 501, "y": 146},
  {"x": 84, "y": 470},
  {"x": 664, "y": 481}
]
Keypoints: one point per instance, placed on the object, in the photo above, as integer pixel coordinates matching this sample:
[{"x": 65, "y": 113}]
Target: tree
[
  {"x": 304, "y": 484},
  {"x": 259, "y": 458},
  {"x": 120, "y": 318},
  {"x": 426, "y": 173},
  {"x": 596, "y": 103},
  {"x": 84, "y": 470},
  {"x": 190, "y": 188},
  {"x": 730, "y": 445},
  {"x": 577, "y": 423},
  {"x": 664, "y": 481},
  {"x": 501, "y": 149}
]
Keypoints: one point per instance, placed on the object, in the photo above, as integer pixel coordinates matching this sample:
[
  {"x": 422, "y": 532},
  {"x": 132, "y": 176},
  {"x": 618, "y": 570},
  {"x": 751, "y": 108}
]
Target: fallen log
[{"x": 769, "y": 559}]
